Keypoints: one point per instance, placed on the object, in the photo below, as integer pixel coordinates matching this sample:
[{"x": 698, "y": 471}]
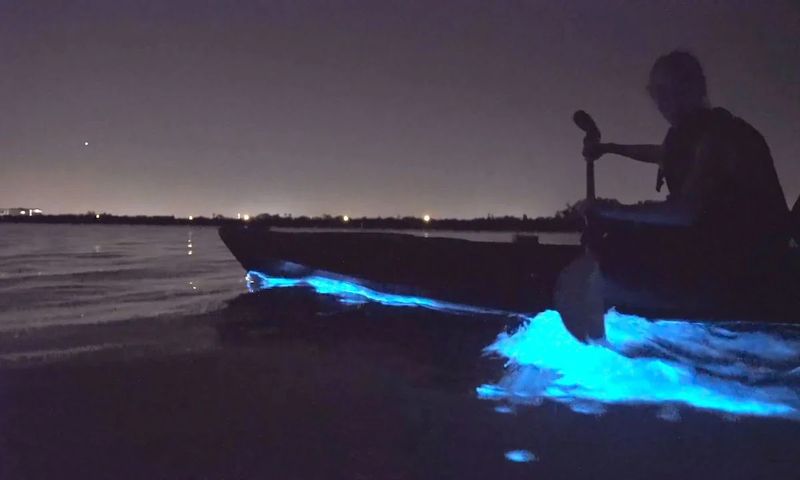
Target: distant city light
[
  {"x": 85, "y": 144},
  {"x": 238, "y": 216},
  {"x": 23, "y": 212},
  {"x": 246, "y": 217},
  {"x": 97, "y": 216},
  {"x": 345, "y": 219},
  {"x": 426, "y": 218},
  {"x": 191, "y": 218}
]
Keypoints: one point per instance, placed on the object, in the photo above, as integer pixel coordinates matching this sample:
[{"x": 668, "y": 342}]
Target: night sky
[{"x": 452, "y": 108}]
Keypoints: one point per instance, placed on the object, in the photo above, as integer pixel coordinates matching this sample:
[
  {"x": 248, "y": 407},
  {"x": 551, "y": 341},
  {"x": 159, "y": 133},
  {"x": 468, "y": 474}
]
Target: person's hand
[{"x": 592, "y": 150}]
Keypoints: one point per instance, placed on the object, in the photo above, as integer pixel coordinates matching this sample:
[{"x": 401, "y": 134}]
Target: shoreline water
[{"x": 288, "y": 384}]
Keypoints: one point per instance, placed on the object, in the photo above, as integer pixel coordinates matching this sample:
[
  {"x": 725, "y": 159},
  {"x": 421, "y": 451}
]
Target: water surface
[
  {"x": 84, "y": 274},
  {"x": 52, "y": 274}
]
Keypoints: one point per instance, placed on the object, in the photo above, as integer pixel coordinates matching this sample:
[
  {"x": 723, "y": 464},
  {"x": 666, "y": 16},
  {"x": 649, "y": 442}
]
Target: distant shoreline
[{"x": 559, "y": 223}]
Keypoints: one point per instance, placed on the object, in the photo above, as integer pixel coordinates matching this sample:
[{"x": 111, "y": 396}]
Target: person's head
[{"x": 677, "y": 85}]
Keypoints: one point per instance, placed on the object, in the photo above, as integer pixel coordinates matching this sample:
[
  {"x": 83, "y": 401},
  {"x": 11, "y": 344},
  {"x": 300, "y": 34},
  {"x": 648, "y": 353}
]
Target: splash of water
[
  {"x": 737, "y": 369},
  {"x": 725, "y": 368}
]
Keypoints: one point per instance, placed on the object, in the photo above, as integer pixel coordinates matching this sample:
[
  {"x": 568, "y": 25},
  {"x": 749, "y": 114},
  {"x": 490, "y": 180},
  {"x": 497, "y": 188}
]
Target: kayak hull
[{"x": 514, "y": 276}]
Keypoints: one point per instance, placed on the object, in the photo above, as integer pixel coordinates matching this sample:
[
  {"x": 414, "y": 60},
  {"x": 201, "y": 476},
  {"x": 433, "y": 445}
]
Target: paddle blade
[
  {"x": 585, "y": 122},
  {"x": 579, "y": 299}
]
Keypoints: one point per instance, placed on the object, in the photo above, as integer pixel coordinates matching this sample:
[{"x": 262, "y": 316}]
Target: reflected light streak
[{"x": 728, "y": 369}]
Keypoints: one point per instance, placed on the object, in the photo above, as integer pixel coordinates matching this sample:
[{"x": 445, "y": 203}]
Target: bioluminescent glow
[
  {"x": 351, "y": 292},
  {"x": 736, "y": 369},
  {"x": 728, "y": 369},
  {"x": 520, "y": 456}
]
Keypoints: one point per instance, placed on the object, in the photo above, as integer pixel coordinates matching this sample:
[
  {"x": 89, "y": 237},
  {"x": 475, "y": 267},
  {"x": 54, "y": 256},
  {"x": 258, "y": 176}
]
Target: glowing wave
[
  {"x": 350, "y": 292},
  {"x": 667, "y": 363},
  {"x": 730, "y": 369}
]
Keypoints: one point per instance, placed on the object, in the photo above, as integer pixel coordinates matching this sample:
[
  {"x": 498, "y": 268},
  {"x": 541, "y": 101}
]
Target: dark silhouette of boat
[
  {"x": 514, "y": 276},
  {"x": 518, "y": 276}
]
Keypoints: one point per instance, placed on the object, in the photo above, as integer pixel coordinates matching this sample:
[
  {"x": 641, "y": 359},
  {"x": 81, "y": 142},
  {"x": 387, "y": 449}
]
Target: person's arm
[
  {"x": 642, "y": 153},
  {"x": 696, "y": 195}
]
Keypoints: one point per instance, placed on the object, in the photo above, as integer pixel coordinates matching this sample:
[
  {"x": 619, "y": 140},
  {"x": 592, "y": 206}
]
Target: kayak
[
  {"x": 518, "y": 276},
  {"x": 513, "y": 276}
]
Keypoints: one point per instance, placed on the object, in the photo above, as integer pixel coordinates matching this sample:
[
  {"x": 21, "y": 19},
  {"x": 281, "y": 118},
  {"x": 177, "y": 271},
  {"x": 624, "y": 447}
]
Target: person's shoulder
[
  {"x": 734, "y": 142},
  {"x": 730, "y": 132},
  {"x": 723, "y": 122}
]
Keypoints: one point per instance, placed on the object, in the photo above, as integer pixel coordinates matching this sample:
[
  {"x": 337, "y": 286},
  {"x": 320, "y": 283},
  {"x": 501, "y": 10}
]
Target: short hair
[{"x": 685, "y": 69}]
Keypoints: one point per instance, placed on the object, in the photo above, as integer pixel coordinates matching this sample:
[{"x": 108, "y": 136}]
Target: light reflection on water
[{"x": 735, "y": 369}]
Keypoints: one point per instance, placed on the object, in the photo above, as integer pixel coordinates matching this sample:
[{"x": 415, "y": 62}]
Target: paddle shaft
[
  {"x": 578, "y": 295},
  {"x": 585, "y": 123}
]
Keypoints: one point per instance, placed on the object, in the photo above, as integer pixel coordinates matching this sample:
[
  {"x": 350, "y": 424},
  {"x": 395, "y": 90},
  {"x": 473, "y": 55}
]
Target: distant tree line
[{"x": 565, "y": 220}]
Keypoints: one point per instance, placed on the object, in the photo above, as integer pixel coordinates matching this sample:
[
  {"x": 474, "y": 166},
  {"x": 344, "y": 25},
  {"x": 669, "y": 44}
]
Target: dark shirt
[
  {"x": 720, "y": 169},
  {"x": 742, "y": 191},
  {"x": 679, "y": 151}
]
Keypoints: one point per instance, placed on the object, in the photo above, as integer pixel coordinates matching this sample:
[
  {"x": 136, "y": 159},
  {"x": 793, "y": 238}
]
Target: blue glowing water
[
  {"x": 520, "y": 456},
  {"x": 726, "y": 369},
  {"x": 351, "y": 292},
  {"x": 736, "y": 369}
]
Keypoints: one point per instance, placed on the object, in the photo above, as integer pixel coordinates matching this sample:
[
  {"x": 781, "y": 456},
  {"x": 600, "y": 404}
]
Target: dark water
[
  {"x": 61, "y": 275},
  {"x": 656, "y": 394},
  {"x": 86, "y": 274}
]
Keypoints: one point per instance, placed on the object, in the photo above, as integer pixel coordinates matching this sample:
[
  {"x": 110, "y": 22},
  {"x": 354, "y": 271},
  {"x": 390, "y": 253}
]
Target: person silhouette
[{"x": 725, "y": 217}]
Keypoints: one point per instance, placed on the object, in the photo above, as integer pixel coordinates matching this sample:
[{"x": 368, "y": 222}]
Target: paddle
[
  {"x": 579, "y": 294},
  {"x": 586, "y": 123}
]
